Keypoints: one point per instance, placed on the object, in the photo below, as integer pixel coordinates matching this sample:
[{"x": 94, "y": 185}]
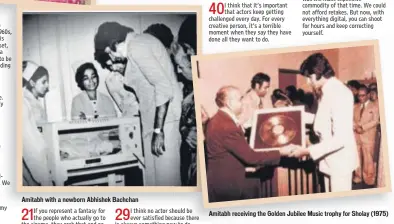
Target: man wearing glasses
[{"x": 366, "y": 120}]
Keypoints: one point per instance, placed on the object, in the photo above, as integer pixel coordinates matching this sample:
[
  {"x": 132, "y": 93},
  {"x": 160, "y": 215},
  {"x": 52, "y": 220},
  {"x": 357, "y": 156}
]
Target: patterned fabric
[
  {"x": 188, "y": 117},
  {"x": 189, "y": 154}
]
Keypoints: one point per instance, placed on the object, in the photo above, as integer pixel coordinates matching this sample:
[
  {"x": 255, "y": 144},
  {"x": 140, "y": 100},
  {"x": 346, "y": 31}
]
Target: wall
[
  {"x": 356, "y": 62},
  {"x": 348, "y": 63},
  {"x": 60, "y": 41}
]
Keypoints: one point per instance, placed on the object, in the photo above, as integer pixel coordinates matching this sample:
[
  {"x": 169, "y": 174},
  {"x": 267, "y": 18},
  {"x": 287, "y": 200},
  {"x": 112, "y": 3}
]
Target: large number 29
[
  {"x": 219, "y": 8},
  {"x": 122, "y": 212}
]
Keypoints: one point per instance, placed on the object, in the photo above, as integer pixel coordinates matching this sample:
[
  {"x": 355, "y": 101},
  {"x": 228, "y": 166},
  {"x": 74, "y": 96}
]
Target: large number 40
[{"x": 219, "y": 8}]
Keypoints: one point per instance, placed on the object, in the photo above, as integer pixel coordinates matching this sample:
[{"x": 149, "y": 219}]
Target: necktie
[
  {"x": 362, "y": 110},
  {"x": 261, "y": 104}
]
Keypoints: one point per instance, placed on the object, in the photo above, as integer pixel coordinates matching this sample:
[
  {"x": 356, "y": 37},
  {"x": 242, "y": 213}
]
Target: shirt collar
[
  {"x": 254, "y": 96},
  {"x": 327, "y": 86},
  {"x": 28, "y": 94},
  {"x": 231, "y": 114},
  {"x": 129, "y": 39}
]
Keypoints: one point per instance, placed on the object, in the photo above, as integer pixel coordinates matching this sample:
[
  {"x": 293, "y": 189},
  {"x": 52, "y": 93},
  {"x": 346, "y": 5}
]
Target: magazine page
[{"x": 187, "y": 112}]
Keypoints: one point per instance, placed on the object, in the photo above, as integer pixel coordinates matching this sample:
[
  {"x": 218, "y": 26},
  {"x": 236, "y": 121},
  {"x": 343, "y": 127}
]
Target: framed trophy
[{"x": 277, "y": 127}]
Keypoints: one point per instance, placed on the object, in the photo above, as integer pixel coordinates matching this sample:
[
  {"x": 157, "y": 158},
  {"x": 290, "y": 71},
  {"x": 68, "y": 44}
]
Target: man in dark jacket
[{"x": 228, "y": 152}]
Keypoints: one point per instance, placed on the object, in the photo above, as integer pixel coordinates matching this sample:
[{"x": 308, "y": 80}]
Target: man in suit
[
  {"x": 228, "y": 152},
  {"x": 253, "y": 99},
  {"x": 336, "y": 150},
  {"x": 150, "y": 73},
  {"x": 366, "y": 120}
]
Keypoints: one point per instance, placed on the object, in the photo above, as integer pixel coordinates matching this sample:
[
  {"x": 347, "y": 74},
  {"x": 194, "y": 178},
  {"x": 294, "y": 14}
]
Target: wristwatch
[{"x": 157, "y": 130}]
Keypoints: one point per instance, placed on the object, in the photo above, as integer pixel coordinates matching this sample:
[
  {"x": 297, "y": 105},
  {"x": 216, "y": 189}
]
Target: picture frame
[{"x": 286, "y": 126}]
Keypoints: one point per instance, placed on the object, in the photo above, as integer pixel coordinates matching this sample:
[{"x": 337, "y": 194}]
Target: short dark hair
[
  {"x": 278, "y": 94},
  {"x": 373, "y": 85},
  {"x": 259, "y": 78},
  {"x": 309, "y": 99},
  {"x": 317, "y": 64},
  {"x": 292, "y": 89},
  {"x": 101, "y": 57},
  {"x": 161, "y": 32},
  {"x": 373, "y": 90},
  {"x": 109, "y": 34},
  {"x": 354, "y": 84},
  {"x": 188, "y": 32},
  {"x": 363, "y": 87},
  {"x": 301, "y": 94},
  {"x": 81, "y": 71}
]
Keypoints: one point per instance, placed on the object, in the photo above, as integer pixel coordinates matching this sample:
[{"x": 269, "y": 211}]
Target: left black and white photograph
[{"x": 108, "y": 99}]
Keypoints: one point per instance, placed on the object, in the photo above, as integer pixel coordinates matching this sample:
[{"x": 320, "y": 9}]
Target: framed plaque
[{"x": 277, "y": 127}]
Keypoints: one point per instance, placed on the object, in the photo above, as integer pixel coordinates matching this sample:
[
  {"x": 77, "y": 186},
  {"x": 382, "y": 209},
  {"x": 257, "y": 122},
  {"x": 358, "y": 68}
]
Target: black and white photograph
[
  {"x": 280, "y": 123},
  {"x": 108, "y": 99}
]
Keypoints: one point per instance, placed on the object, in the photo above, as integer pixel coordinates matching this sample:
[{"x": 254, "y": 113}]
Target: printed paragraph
[
  {"x": 5, "y": 60},
  {"x": 246, "y": 22},
  {"x": 319, "y": 16},
  {"x": 155, "y": 216},
  {"x": 63, "y": 216}
]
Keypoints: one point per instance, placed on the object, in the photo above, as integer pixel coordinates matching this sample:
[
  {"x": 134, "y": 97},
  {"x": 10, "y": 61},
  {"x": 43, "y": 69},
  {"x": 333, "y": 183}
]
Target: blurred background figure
[
  {"x": 161, "y": 32},
  {"x": 182, "y": 51},
  {"x": 293, "y": 94},
  {"x": 373, "y": 92},
  {"x": 35, "y": 163},
  {"x": 354, "y": 85},
  {"x": 366, "y": 120},
  {"x": 280, "y": 99}
]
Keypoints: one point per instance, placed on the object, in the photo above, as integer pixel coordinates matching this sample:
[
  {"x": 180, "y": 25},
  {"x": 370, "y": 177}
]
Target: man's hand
[
  {"x": 359, "y": 130},
  {"x": 287, "y": 150},
  {"x": 191, "y": 138},
  {"x": 299, "y": 152},
  {"x": 158, "y": 144}
]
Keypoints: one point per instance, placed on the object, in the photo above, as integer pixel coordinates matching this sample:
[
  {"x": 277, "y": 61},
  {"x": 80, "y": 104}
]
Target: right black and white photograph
[{"x": 108, "y": 99}]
